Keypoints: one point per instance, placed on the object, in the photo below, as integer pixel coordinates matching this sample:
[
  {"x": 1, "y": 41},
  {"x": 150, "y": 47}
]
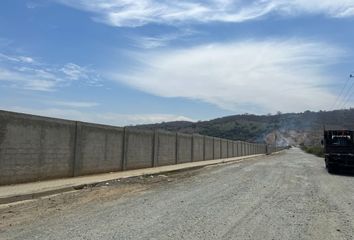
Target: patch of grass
[{"x": 315, "y": 150}]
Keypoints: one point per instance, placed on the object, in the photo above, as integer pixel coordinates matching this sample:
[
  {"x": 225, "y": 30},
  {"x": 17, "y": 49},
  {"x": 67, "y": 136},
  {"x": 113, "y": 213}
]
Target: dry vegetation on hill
[{"x": 288, "y": 129}]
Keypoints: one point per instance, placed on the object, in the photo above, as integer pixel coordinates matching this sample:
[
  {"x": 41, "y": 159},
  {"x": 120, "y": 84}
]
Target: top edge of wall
[
  {"x": 197, "y": 135},
  {"x": 208, "y": 137},
  {"x": 161, "y": 131},
  {"x": 35, "y": 117},
  {"x": 135, "y": 130},
  {"x": 105, "y": 126},
  {"x": 184, "y": 134},
  {"x": 56, "y": 120}
]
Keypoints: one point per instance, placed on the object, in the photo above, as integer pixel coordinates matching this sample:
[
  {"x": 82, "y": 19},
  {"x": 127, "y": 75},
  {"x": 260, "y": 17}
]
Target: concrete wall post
[
  {"x": 155, "y": 149},
  {"x": 233, "y": 149},
  {"x": 77, "y": 150},
  {"x": 177, "y": 147},
  {"x": 125, "y": 149},
  {"x": 192, "y": 152},
  {"x": 204, "y": 149},
  {"x": 220, "y": 148},
  {"x": 213, "y": 147}
]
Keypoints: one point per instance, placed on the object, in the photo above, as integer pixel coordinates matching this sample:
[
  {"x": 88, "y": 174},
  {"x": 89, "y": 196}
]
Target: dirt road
[{"x": 285, "y": 196}]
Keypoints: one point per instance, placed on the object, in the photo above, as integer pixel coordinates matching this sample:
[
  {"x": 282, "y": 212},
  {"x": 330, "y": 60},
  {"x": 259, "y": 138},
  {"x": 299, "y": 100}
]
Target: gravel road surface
[{"x": 284, "y": 196}]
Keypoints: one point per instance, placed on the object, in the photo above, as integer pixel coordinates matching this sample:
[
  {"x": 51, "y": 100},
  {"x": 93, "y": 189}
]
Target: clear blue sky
[{"x": 129, "y": 62}]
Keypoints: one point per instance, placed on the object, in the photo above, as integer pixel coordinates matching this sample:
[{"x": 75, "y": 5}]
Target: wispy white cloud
[
  {"x": 134, "y": 13},
  {"x": 336, "y": 9},
  {"x": 150, "y": 42},
  {"x": 23, "y": 59},
  {"x": 34, "y": 4},
  {"x": 74, "y": 104},
  {"x": 74, "y": 71},
  {"x": 26, "y": 59},
  {"x": 244, "y": 76},
  {"x": 101, "y": 118},
  {"x": 26, "y": 73},
  {"x": 39, "y": 81}
]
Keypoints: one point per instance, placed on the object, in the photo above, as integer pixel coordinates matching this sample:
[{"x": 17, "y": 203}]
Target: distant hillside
[{"x": 290, "y": 128}]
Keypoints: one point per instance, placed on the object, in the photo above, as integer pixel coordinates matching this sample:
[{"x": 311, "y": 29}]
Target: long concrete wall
[{"x": 34, "y": 148}]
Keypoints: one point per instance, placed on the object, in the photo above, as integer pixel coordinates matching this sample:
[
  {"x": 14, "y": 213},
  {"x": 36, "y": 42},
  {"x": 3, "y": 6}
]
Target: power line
[
  {"x": 348, "y": 95},
  {"x": 341, "y": 93},
  {"x": 347, "y": 90}
]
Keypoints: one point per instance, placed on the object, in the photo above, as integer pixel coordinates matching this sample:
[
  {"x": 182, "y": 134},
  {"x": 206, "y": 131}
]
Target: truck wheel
[
  {"x": 331, "y": 169},
  {"x": 326, "y": 161}
]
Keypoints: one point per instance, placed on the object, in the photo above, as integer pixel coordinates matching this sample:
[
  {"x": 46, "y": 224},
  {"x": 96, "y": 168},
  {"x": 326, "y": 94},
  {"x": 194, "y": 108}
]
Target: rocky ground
[{"x": 284, "y": 196}]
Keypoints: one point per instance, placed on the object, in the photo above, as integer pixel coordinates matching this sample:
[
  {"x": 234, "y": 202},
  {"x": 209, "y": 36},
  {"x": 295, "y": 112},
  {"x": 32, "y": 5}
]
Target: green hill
[{"x": 290, "y": 128}]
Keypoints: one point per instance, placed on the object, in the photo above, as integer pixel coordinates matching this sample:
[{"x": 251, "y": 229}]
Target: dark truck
[{"x": 338, "y": 149}]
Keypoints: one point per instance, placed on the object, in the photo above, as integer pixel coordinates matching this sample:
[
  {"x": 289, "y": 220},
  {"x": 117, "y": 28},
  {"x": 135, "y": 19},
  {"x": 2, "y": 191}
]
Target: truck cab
[{"x": 339, "y": 149}]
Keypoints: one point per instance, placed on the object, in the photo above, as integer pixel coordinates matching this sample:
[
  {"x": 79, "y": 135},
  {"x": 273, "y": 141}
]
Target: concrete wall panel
[
  {"x": 184, "y": 148},
  {"x": 217, "y": 148},
  {"x": 139, "y": 149},
  {"x": 238, "y": 147},
  {"x": 198, "y": 148},
  {"x": 209, "y": 148},
  {"x": 243, "y": 148},
  {"x": 100, "y": 149},
  {"x": 166, "y": 148},
  {"x": 230, "y": 149},
  {"x": 234, "y": 147},
  {"x": 34, "y": 148},
  {"x": 223, "y": 148}
]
